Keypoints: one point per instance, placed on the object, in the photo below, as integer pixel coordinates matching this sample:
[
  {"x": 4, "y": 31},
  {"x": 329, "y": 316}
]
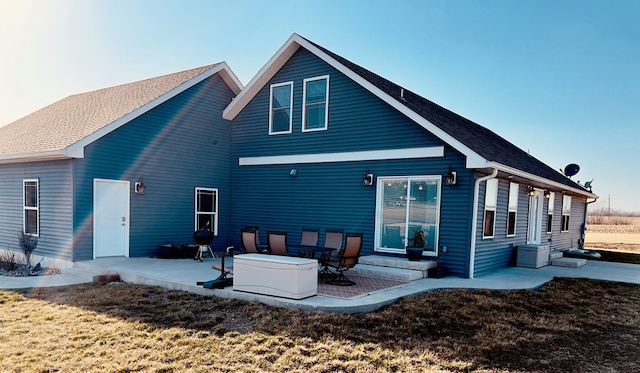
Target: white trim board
[{"x": 372, "y": 155}]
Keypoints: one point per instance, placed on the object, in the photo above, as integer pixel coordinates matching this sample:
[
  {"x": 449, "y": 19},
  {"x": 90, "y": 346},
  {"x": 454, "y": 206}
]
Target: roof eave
[
  {"x": 261, "y": 78},
  {"x": 538, "y": 179},
  {"x": 76, "y": 150},
  {"x": 34, "y": 157}
]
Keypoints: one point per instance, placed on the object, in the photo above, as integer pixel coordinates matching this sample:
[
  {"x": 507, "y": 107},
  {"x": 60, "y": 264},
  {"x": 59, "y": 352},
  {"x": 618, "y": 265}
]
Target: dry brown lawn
[{"x": 567, "y": 325}]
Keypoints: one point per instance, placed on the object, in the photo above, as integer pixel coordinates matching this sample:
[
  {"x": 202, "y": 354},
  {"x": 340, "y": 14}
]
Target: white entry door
[
  {"x": 535, "y": 218},
  {"x": 110, "y": 218}
]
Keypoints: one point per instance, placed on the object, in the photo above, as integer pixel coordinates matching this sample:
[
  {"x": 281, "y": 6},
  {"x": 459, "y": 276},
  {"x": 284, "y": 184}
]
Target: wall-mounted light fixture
[
  {"x": 367, "y": 179},
  {"x": 138, "y": 186},
  {"x": 531, "y": 191},
  {"x": 451, "y": 178},
  {"x": 293, "y": 172},
  {"x": 547, "y": 194}
]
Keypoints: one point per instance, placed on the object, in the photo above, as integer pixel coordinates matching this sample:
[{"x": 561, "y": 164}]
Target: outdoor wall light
[
  {"x": 451, "y": 178},
  {"x": 547, "y": 194},
  {"x": 531, "y": 191},
  {"x": 138, "y": 186},
  {"x": 293, "y": 172},
  {"x": 367, "y": 179}
]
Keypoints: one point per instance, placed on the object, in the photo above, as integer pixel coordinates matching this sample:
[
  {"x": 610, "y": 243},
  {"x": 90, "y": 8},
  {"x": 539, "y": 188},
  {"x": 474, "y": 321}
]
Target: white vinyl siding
[
  {"x": 280, "y": 108},
  {"x": 566, "y": 213},
  {"x": 316, "y": 104},
  {"x": 490, "y": 203},
  {"x": 513, "y": 209},
  {"x": 206, "y": 207},
  {"x": 550, "y": 207},
  {"x": 31, "y": 207}
]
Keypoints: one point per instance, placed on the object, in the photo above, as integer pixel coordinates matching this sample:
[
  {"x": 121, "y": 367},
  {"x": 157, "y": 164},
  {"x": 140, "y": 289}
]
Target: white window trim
[
  {"x": 566, "y": 202},
  {"x": 550, "y": 207},
  {"x": 25, "y": 207},
  {"x": 514, "y": 189},
  {"x": 215, "y": 213},
  {"x": 490, "y": 208},
  {"x": 380, "y": 181},
  {"x": 290, "y": 130},
  {"x": 304, "y": 104}
]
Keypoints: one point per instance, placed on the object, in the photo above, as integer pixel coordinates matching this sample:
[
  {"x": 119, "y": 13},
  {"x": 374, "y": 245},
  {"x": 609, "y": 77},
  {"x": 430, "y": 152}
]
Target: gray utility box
[{"x": 532, "y": 256}]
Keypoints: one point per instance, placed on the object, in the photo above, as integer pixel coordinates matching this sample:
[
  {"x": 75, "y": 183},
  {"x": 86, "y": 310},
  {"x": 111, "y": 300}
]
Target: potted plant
[{"x": 414, "y": 252}]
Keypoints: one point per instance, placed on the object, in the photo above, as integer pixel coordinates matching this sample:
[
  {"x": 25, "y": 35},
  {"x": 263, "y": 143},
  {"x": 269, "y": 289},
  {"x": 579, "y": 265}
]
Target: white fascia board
[
  {"x": 76, "y": 150},
  {"x": 535, "y": 178},
  {"x": 229, "y": 77},
  {"x": 371, "y": 155},
  {"x": 263, "y": 76},
  {"x": 288, "y": 49},
  {"x": 33, "y": 157}
]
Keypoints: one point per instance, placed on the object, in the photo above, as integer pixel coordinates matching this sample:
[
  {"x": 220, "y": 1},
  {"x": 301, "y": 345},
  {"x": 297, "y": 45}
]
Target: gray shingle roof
[
  {"x": 481, "y": 140},
  {"x": 65, "y": 122}
]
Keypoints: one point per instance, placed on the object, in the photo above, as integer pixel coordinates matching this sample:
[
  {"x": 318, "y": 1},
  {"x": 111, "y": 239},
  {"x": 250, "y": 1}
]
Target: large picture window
[
  {"x": 405, "y": 205},
  {"x": 31, "y": 207},
  {"x": 512, "y": 214},
  {"x": 280, "y": 120},
  {"x": 490, "y": 203},
  {"x": 316, "y": 108},
  {"x": 566, "y": 213},
  {"x": 207, "y": 209}
]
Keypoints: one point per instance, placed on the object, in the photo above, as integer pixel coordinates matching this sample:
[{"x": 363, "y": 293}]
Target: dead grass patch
[{"x": 566, "y": 325}]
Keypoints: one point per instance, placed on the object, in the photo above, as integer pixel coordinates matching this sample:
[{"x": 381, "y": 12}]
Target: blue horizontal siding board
[
  {"x": 331, "y": 195},
  {"x": 181, "y": 144},
  {"x": 55, "y": 205}
]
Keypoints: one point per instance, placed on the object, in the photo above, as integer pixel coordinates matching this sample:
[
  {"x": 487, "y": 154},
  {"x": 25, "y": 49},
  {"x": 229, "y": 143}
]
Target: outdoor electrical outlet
[{"x": 444, "y": 249}]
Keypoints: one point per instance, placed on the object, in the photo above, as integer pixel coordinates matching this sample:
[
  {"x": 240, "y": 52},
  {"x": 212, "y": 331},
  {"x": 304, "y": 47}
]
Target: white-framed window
[
  {"x": 490, "y": 203},
  {"x": 206, "y": 207},
  {"x": 512, "y": 213},
  {"x": 550, "y": 207},
  {"x": 280, "y": 105},
  {"x": 404, "y": 205},
  {"x": 31, "y": 206},
  {"x": 566, "y": 213},
  {"x": 316, "y": 104}
]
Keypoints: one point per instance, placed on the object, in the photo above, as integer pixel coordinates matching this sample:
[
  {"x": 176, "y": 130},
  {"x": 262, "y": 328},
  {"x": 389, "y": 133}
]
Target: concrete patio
[{"x": 183, "y": 274}]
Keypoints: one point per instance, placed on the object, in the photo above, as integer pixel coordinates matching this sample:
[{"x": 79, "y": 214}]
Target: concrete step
[
  {"x": 556, "y": 254},
  {"x": 569, "y": 262},
  {"x": 80, "y": 273},
  {"x": 422, "y": 266},
  {"x": 399, "y": 274}
]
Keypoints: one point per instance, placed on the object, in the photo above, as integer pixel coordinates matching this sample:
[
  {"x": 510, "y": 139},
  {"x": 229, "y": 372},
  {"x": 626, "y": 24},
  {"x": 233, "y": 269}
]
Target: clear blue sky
[{"x": 560, "y": 79}]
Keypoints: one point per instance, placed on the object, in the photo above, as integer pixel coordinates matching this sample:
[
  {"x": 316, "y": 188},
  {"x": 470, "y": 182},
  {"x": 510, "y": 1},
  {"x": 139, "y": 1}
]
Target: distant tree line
[{"x": 605, "y": 215}]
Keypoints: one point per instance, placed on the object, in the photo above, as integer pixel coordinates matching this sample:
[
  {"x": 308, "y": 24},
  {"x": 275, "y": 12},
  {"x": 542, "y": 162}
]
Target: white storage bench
[{"x": 281, "y": 276}]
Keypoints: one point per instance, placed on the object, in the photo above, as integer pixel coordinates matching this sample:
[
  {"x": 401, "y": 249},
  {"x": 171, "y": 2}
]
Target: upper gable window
[
  {"x": 280, "y": 108},
  {"x": 316, "y": 108}
]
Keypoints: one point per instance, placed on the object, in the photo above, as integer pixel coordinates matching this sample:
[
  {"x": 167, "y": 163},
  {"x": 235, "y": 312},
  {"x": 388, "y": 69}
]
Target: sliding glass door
[{"x": 405, "y": 205}]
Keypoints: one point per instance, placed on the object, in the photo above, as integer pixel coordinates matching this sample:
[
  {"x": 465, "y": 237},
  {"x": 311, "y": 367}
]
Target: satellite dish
[{"x": 571, "y": 169}]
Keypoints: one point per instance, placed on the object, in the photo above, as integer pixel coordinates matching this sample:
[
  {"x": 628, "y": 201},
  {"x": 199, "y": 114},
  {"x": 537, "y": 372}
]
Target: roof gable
[
  {"x": 482, "y": 147},
  {"x": 64, "y": 128}
]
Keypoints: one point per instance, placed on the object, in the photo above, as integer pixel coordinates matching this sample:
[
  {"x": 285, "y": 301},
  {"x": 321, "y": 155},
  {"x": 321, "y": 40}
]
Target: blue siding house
[
  {"x": 121, "y": 170},
  {"x": 313, "y": 140},
  {"x": 311, "y": 124}
]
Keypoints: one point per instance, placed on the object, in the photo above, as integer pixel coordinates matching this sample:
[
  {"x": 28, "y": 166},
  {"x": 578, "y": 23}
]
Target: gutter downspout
[{"x": 474, "y": 221}]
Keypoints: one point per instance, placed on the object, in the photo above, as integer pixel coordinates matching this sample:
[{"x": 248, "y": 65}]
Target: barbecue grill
[{"x": 203, "y": 237}]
